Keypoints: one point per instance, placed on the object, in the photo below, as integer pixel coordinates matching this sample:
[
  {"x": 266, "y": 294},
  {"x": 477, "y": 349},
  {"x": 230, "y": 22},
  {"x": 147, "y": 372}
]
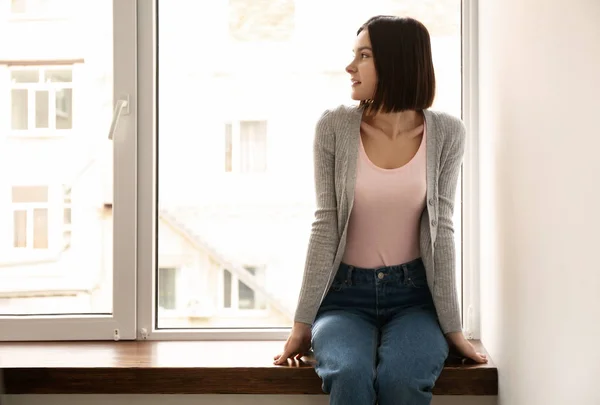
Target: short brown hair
[{"x": 403, "y": 62}]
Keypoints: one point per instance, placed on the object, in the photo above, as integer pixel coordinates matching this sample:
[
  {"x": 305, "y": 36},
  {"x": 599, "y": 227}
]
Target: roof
[{"x": 259, "y": 235}]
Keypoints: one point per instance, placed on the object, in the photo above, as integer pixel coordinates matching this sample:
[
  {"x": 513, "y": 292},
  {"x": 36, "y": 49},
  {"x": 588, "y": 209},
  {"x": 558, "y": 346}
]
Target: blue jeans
[{"x": 376, "y": 337}]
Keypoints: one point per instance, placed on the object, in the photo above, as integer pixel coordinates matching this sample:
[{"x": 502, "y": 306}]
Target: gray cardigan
[{"x": 335, "y": 155}]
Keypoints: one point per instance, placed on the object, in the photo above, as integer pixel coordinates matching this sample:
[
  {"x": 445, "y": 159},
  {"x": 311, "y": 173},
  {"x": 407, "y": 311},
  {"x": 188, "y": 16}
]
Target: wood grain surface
[{"x": 187, "y": 367}]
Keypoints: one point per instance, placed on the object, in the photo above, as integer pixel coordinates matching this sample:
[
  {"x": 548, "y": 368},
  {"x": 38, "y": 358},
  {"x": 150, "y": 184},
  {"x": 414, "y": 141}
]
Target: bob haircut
[{"x": 403, "y": 62}]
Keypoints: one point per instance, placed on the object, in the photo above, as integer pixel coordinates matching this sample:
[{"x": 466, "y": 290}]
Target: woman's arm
[
  {"x": 324, "y": 236},
  {"x": 445, "y": 294}
]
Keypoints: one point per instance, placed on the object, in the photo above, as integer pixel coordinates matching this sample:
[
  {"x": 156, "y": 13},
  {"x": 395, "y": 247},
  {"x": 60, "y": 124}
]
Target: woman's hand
[
  {"x": 297, "y": 344},
  {"x": 458, "y": 341}
]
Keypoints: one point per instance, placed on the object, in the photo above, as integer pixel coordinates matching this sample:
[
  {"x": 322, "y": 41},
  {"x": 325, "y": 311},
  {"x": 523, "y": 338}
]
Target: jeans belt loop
[
  {"x": 405, "y": 273},
  {"x": 349, "y": 275}
]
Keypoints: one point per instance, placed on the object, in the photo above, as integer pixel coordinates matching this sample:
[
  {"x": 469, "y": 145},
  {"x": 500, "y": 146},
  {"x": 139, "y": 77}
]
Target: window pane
[
  {"x": 64, "y": 102},
  {"x": 19, "y": 109},
  {"x": 61, "y": 247},
  {"x": 41, "y": 109},
  {"x": 246, "y": 297},
  {"x": 167, "y": 282},
  {"x": 30, "y": 194},
  {"x": 40, "y": 228},
  {"x": 227, "y": 283},
  {"x": 20, "y": 229},
  {"x": 62, "y": 75},
  {"x": 66, "y": 194},
  {"x": 228, "y": 147},
  {"x": 67, "y": 218},
  {"x": 254, "y": 110},
  {"x": 25, "y": 75}
]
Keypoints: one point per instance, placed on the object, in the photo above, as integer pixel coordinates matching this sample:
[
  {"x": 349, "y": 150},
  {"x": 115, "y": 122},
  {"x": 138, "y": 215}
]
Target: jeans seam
[
  {"x": 376, "y": 360},
  {"x": 376, "y": 298}
]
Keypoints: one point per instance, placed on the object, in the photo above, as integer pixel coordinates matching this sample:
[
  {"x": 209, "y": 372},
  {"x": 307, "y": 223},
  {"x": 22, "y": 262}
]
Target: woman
[{"x": 378, "y": 301}]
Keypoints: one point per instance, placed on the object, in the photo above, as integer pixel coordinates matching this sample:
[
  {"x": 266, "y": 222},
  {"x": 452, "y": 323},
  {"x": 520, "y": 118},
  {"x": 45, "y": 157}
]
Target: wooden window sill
[{"x": 185, "y": 367}]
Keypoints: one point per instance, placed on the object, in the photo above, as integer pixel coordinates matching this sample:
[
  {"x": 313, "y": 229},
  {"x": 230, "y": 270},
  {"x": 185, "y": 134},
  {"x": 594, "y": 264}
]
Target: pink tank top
[{"x": 384, "y": 223}]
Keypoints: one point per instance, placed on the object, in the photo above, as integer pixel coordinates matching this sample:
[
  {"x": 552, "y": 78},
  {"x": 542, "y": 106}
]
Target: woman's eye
[{"x": 364, "y": 55}]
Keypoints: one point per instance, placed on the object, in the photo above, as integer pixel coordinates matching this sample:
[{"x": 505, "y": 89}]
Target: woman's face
[{"x": 362, "y": 69}]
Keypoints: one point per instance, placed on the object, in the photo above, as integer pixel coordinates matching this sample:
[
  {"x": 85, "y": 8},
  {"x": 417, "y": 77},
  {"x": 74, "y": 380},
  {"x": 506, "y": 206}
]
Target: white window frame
[
  {"x": 56, "y": 227},
  {"x": 17, "y": 256},
  {"x": 147, "y": 202},
  {"x": 29, "y": 207},
  {"x": 52, "y": 88},
  {"x": 147, "y": 209},
  {"x": 471, "y": 260},
  {"x": 56, "y": 205},
  {"x": 121, "y": 324},
  {"x": 123, "y": 319},
  {"x": 16, "y": 261}
]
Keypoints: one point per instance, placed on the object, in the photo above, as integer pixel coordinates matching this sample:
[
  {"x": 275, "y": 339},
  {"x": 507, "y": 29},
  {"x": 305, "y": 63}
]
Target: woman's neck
[{"x": 396, "y": 123}]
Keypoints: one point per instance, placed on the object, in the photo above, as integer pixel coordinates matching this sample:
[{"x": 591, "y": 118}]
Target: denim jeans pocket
[
  {"x": 416, "y": 278},
  {"x": 338, "y": 284}
]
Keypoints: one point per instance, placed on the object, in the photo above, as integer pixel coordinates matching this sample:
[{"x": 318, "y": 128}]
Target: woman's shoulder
[
  {"x": 449, "y": 128},
  {"x": 339, "y": 113},
  {"x": 446, "y": 121}
]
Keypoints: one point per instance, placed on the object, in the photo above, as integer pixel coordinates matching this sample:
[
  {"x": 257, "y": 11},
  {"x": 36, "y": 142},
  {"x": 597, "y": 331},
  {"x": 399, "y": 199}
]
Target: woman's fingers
[
  {"x": 468, "y": 350},
  {"x": 283, "y": 358},
  {"x": 478, "y": 357}
]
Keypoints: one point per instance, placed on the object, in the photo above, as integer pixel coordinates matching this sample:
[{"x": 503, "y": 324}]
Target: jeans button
[
  {"x": 433, "y": 222},
  {"x": 431, "y": 201},
  {"x": 380, "y": 276}
]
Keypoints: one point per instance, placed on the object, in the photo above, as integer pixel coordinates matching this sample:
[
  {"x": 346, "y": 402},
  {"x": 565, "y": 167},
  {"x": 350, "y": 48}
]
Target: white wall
[
  {"x": 539, "y": 107},
  {"x": 207, "y": 400}
]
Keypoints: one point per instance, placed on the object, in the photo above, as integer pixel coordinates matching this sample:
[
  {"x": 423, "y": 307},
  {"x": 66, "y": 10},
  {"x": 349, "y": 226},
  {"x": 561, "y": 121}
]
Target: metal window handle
[{"x": 121, "y": 108}]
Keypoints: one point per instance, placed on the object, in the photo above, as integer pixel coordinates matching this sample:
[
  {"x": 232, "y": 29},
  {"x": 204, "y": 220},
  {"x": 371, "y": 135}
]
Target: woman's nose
[{"x": 350, "y": 69}]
